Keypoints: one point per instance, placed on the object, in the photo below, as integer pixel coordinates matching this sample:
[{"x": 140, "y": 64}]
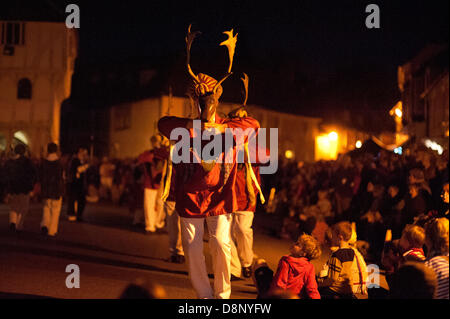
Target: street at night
[
  {"x": 111, "y": 254},
  {"x": 237, "y": 152}
]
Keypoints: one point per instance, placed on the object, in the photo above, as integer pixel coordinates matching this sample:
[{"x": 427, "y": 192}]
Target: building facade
[
  {"x": 36, "y": 66},
  {"x": 133, "y": 123},
  {"x": 424, "y": 86}
]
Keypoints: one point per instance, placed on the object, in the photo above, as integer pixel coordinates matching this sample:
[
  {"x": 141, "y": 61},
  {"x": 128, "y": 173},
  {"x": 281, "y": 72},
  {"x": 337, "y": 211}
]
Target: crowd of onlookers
[
  {"x": 376, "y": 192},
  {"x": 385, "y": 209}
]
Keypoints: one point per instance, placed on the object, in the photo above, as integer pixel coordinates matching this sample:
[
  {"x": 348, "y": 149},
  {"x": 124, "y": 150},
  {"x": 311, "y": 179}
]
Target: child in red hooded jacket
[{"x": 295, "y": 271}]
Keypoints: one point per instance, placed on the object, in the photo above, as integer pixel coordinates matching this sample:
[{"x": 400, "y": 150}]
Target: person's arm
[
  {"x": 168, "y": 123},
  {"x": 311, "y": 284},
  {"x": 281, "y": 276},
  {"x": 334, "y": 270}
]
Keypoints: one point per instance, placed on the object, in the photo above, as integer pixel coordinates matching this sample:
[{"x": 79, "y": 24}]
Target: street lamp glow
[
  {"x": 333, "y": 136},
  {"x": 358, "y": 144},
  {"x": 289, "y": 154},
  {"x": 398, "y": 112}
]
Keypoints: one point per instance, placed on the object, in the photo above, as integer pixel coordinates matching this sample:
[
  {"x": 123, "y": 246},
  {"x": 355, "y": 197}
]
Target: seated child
[
  {"x": 408, "y": 248},
  {"x": 295, "y": 271},
  {"x": 338, "y": 282}
]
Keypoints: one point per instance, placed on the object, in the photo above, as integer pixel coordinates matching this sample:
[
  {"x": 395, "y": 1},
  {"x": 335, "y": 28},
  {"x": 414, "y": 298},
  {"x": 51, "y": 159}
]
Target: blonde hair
[
  {"x": 436, "y": 232},
  {"x": 308, "y": 247},
  {"x": 415, "y": 235}
]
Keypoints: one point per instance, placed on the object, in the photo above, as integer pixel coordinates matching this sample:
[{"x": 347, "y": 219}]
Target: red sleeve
[
  {"x": 145, "y": 157},
  {"x": 281, "y": 276},
  {"x": 167, "y": 123},
  {"x": 243, "y": 123},
  {"x": 311, "y": 284}
]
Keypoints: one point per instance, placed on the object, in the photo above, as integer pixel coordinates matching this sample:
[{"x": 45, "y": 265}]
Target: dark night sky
[{"x": 301, "y": 56}]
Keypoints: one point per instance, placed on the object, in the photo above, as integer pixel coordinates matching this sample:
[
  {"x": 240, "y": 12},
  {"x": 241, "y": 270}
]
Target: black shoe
[
  {"x": 12, "y": 227},
  {"x": 181, "y": 259},
  {"x": 177, "y": 259},
  {"x": 247, "y": 272},
  {"x": 44, "y": 231}
]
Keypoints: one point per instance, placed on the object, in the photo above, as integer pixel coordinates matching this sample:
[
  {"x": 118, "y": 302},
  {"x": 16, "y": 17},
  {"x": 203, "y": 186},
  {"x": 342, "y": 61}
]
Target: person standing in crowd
[
  {"x": 172, "y": 218},
  {"x": 76, "y": 186},
  {"x": 241, "y": 227},
  {"x": 106, "y": 178},
  {"x": 52, "y": 184},
  {"x": 21, "y": 177},
  {"x": 151, "y": 164},
  {"x": 436, "y": 242}
]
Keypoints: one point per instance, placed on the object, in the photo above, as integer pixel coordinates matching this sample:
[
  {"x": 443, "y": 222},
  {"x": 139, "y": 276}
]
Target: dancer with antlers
[{"x": 205, "y": 190}]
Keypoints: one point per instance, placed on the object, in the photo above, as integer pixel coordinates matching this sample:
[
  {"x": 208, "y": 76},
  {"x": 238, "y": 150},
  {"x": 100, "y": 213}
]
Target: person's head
[
  {"x": 413, "y": 280},
  {"x": 413, "y": 190},
  {"x": 322, "y": 194},
  {"x": 20, "y": 149},
  {"x": 436, "y": 232},
  {"x": 445, "y": 196},
  {"x": 52, "y": 148},
  {"x": 413, "y": 236},
  {"x": 393, "y": 190},
  {"x": 82, "y": 153},
  {"x": 143, "y": 289},
  {"x": 341, "y": 233},
  {"x": 416, "y": 175},
  {"x": 155, "y": 141},
  {"x": 306, "y": 246}
]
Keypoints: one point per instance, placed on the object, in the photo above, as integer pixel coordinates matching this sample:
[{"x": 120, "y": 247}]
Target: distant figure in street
[
  {"x": 151, "y": 162},
  {"x": 52, "y": 187},
  {"x": 20, "y": 179},
  {"x": 106, "y": 178},
  {"x": 76, "y": 186}
]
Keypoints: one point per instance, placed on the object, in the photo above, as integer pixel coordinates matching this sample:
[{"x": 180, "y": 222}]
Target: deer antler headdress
[{"x": 202, "y": 83}]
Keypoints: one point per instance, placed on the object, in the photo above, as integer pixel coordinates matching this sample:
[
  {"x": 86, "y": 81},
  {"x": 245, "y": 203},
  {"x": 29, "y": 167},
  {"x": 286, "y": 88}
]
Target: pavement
[{"x": 110, "y": 254}]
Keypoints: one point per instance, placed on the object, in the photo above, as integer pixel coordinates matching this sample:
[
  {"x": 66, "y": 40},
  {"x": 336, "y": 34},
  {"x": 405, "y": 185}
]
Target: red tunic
[
  {"x": 243, "y": 198},
  {"x": 200, "y": 193},
  {"x": 152, "y": 164}
]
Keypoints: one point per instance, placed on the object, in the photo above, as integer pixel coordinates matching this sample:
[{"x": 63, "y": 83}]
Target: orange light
[{"x": 333, "y": 136}]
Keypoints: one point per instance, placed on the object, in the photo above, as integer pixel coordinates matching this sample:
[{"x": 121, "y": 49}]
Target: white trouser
[
  {"x": 50, "y": 216},
  {"x": 220, "y": 248},
  {"x": 160, "y": 211},
  {"x": 150, "y": 212},
  {"x": 242, "y": 237},
  {"x": 173, "y": 228},
  {"x": 19, "y": 205}
]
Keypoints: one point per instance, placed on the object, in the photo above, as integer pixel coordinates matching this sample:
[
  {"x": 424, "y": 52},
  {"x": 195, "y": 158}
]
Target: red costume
[{"x": 201, "y": 193}]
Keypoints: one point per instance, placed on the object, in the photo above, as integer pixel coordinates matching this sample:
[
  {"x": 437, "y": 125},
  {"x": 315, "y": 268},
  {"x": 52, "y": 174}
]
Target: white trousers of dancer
[
  {"x": 173, "y": 228},
  {"x": 50, "y": 216},
  {"x": 242, "y": 241},
  {"x": 19, "y": 205},
  {"x": 150, "y": 210},
  {"x": 192, "y": 230}
]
